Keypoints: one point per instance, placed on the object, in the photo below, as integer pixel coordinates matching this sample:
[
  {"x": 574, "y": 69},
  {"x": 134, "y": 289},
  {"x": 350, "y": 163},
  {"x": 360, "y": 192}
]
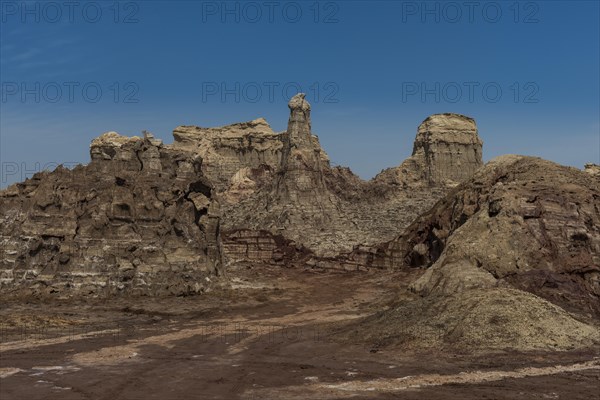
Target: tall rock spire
[
  {"x": 299, "y": 128},
  {"x": 302, "y": 160}
]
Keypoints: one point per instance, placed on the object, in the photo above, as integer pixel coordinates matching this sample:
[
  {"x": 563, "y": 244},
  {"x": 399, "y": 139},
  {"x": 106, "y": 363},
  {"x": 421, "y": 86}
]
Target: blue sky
[{"x": 528, "y": 72}]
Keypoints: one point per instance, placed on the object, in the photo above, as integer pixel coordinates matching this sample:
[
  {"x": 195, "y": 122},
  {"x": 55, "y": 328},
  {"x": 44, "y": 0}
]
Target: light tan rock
[
  {"x": 273, "y": 187},
  {"x": 593, "y": 169},
  {"x": 447, "y": 151},
  {"x": 227, "y": 150},
  {"x": 476, "y": 320}
]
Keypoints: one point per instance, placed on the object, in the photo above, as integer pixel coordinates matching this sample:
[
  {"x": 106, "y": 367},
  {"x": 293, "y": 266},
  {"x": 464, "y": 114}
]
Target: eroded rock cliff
[
  {"x": 512, "y": 259},
  {"x": 227, "y": 151},
  {"x": 139, "y": 219},
  {"x": 520, "y": 221},
  {"x": 326, "y": 210},
  {"x": 447, "y": 151},
  {"x": 141, "y": 209}
]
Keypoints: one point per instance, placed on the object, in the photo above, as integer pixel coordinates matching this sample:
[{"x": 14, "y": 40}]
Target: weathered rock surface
[
  {"x": 475, "y": 320},
  {"x": 329, "y": 210},
  {"x": 510, "y": 252},
  {"x": 447, "y": 151},
  {"x": 282, "y": 185},
  {"x": 296, "y": 203},
  {"x": 140, "y": 218},
  {"x": 521, "y": 222},
  {"x": 593, "y": 169},
  {"x": 513, "y": 262},
  {"x": 227, "y": 150},
  {"x": 279, "y": 199}
]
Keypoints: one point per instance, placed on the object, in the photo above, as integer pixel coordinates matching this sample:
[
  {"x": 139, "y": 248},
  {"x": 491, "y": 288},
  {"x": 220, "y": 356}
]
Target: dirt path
[
  {"x": 351, "y": 388},
  {"x": 267, "y": 339}
]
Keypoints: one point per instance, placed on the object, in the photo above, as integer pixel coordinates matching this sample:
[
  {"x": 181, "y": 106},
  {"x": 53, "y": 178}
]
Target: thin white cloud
[{"x": 24, "y": 56}]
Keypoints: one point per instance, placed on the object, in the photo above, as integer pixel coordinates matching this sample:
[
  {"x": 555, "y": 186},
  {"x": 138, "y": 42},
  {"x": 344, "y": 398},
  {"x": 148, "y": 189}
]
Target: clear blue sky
[{"x": 373, "y": 70}]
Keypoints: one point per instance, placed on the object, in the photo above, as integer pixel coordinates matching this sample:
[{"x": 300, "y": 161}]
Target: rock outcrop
[
  {"x": 279, "y": 202},
  {"x": 300, "y": 177},
  {"x": 510, "y": 251},
  {"x": 447, "y": 151},
  {"x": 593, "y": 169},
  {"x": 330, "y": 210},
  {"x": 521, "y": 222},
  {"x": 227, "y": 150},
  {"x": 295, "y": 204},
  {"x": 512, "y": 260},
  {"x": 139, "y": 219}
]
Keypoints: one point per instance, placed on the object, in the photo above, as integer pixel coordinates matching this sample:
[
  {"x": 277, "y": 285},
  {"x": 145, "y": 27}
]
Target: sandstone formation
[
  {"x": 228, "y": 150},
  {"x": 280, "y": 186},
  {"x": 593, "y": 169},
  {"x": 324, "y": 210},
  {"x": 512, "y": 260},
  {"x": 521, "y": 222},
  {"x": 508, "y": 254},
  {"x": 279, "y": 202},
  {"x": 140, "y": 218},
  {"x": 296, "y": 203},
  {"x": 447, "y": 151},
  {"x": 300, "y": 176}
]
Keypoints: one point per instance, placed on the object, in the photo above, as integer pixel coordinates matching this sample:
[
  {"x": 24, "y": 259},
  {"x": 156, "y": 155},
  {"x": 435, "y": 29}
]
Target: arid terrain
[
  {"x": 269, "y": 333},
  {"x": 236, "y": 263}
]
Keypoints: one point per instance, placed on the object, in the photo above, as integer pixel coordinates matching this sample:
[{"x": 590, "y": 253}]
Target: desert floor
[{"x": 270, "y": 334}]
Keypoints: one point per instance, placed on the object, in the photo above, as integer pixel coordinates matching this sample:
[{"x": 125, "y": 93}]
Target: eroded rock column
[{"x": 447, "y": 149}]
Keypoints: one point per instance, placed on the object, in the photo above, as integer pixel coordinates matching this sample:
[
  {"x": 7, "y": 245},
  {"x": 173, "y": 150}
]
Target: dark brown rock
[
  {"x": 520, "y": 221},
  {"x": 140, "y": 218}
]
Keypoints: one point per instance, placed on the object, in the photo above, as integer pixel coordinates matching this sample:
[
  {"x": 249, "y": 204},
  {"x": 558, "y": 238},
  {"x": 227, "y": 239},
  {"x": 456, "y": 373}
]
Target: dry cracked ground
[{"x": 267, "y": 333}]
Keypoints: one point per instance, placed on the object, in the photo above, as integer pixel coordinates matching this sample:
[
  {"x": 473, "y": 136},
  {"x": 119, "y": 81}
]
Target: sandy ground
[{"x": 268, "y": 336}]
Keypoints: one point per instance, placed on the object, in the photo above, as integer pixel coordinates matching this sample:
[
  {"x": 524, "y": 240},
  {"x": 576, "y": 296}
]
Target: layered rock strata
[
  {"x": 140, "y": 218},
  {"x": 330, "y": 210},
  {"x": 141, "y": 208},
  {"x": 511, "y": 259},
  {"x": 231, "y": 150},
  {"x": 521, "y": 222},
  {"x": 446, "y": 151}
]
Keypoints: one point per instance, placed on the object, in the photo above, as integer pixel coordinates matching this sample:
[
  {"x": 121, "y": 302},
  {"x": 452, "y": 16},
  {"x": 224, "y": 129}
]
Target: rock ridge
[{"x": 139, "y": 219}]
